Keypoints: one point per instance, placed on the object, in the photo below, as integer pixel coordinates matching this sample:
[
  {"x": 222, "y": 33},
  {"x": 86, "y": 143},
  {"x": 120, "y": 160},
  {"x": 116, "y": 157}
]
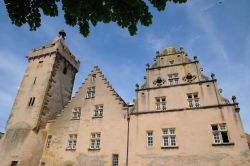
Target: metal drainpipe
[{"x": 128, "y": 119}]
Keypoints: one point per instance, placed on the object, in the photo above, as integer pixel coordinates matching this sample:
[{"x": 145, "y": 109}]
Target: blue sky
[{"x": 219, "y": 34}]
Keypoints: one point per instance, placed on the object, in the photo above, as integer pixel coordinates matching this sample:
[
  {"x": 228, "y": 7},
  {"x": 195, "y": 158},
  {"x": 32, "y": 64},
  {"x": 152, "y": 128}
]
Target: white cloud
[
  {"x": 209, "y": 27},
  {"x": 157, "y": 43}
]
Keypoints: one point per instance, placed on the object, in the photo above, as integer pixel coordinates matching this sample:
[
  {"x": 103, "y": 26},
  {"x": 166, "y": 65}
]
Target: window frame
[
  {"x": 219, "y": 138},
  {"x": 72, "y": 142},
  {"x": 173, "y": 79},
  {"x": 49, "y": 140},
  {"x": 90, "y": 92},
  {"x": 151, "y": 143},
  {"x": 167, "y": 141},
  {"x": 95, "y": 140},
  {"x": 193, "y": 100},
  {"x": 161, "y": 103},
  {"x": 116, "y": 162},
  {"x": 98, "y": 112},
  {"x": 76, "y": 113}
]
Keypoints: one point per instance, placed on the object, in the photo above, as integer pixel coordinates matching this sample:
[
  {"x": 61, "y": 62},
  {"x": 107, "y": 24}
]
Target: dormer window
[{"x": 173, "y": 79}]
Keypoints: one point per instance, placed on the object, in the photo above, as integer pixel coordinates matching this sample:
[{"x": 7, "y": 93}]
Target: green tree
[{"x": 126, "y": 13}]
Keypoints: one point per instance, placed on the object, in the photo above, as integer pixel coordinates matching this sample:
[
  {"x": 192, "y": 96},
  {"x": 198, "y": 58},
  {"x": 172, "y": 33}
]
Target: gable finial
[{"x": 62, "y": 34}]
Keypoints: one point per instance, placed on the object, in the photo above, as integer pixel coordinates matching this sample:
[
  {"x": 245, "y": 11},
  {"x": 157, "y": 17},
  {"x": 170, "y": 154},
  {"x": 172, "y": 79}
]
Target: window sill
[
  {"x": 169, "y": 147},
  {"x": 89, "y": 97},
  {"x": 96, "y": 117},
  {"x": 94, "y": 149},
  {"x": 223, "y": 144},
  {"x": 75, "y": 118},
  {"x": 70, "y": 149}
]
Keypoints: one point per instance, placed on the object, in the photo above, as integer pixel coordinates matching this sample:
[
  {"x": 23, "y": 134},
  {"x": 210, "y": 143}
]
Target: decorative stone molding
[
  {"x": 189, "y": 78},
  {"x": 159, "y": 81}
]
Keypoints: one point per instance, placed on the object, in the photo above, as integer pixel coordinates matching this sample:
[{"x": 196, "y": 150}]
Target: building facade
[{"x": 179, "y": 116}]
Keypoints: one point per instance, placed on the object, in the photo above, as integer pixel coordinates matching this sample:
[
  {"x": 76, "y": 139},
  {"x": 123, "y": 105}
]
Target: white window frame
[
  {"x": 173, "y": 79},
  {"x": 150, "y": 139},
  {"x": 169, "y": 137},
  {"x": 95, "y": 141},
  {"x": 76, "y": 113},
  {"x": 161, "y": 104},
  {"x": 90, "y": 92},
  {"x": 218, "y": 134},
  {"x": 72, "y": 142},
  {"x": 98, "y": 113},
  {"x": 93, "y": 77},
  {"x": 193, "y": 100}
]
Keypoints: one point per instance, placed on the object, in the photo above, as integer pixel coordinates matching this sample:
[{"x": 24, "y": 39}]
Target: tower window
[
  {"x": 161, "y": 104},
  {"x": 150, "y": 139},
  {"x": 76, "y": 113},
  {"x": 72, "y": 142},
  {"x": 65, "y": 70},
  {"x": 49, "y": 139},
  {"x": 31, "y": 101},
  {"x": 220, "y": 133},
  {"x": 42, "y": 164},
  {"x": 115, "y": 159},
  {"x": 193, "y": 100},
  {"x": 14, "y": 163}
]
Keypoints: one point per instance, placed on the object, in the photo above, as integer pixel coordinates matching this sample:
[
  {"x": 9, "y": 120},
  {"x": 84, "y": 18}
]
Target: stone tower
[{"x": 44, "y": 91}]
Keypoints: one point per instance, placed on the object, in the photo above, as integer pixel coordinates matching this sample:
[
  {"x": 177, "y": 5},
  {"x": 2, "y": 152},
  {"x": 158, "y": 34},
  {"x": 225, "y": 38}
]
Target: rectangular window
[
  {"x": 115, "y": 159},
  {"x": 49, "y": 139},
  {"x": 173, "y": 79},
  {"x": 42, "y": 163},
  {"x": 93, "y": 77},
  {"x": 14, "y": 163},
  {"x": 76, "y": 113},
  {"x": 220, "y": 133},
  {"x": 150, "y": 139},
  {"x": 193, "y": 100},
  {"x": 90, "y": 92},
  {"x": 31, "y": 101},
  {"x": 161, "y": 104},
  {"x": 98, "y": 111},
  {"x": 95, "y": 141},
  {"x": 72, "y": 142},
  {"x": 169, "y": 137}
]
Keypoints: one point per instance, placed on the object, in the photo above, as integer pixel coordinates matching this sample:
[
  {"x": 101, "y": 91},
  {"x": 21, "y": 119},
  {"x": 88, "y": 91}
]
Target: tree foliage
[{"x": 126, "y": 13}]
